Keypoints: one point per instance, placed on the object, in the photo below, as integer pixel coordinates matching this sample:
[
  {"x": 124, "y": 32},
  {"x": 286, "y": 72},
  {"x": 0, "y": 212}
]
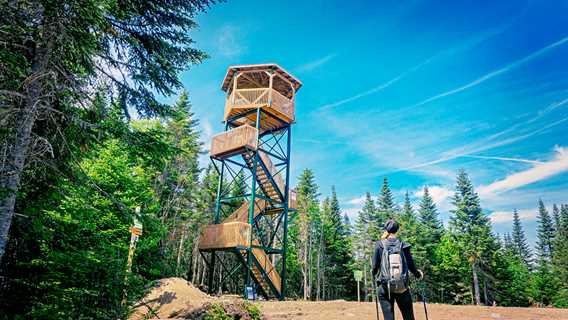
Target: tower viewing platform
[{"x": 252, "y": 157}]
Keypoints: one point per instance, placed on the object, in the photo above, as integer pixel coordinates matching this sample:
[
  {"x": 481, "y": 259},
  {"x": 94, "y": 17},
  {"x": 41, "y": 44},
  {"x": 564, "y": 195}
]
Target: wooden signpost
[
  {"x": 135, "y": 233},
  {"x": 358, "y": 277}
]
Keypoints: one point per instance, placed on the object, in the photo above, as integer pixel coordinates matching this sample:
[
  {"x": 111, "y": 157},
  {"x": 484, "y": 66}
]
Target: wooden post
[
  {"x": 358, "y": 276},
  {"x": 135, "y": 232}
]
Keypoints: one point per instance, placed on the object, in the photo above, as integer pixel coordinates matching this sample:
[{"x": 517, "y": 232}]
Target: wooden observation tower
[{"x": 246, "y": 246}]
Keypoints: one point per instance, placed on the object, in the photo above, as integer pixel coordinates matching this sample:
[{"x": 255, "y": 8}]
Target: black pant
[{"x": 403, "y": 300}]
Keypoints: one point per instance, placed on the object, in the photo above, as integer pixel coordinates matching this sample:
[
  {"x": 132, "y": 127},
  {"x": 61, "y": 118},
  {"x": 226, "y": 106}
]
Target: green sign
[{"x": 358, "y": 275}]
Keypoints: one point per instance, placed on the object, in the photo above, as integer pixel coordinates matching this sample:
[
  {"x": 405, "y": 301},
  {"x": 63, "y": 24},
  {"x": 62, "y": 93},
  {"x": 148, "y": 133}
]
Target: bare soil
[
  {"x": 340, "y": 309},
  {"x": 168, "y": 298},
  {"x": 177, "y": 298}
]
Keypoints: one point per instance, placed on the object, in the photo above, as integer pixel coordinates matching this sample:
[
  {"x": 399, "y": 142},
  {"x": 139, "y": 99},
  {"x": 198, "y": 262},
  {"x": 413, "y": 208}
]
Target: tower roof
[{"x": 260, "y": 67}]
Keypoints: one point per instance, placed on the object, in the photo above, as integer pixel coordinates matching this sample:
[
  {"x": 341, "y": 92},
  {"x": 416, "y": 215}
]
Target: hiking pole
[
  {"x": 376, "y": 292},
  {"x": 423, "y": 296}
]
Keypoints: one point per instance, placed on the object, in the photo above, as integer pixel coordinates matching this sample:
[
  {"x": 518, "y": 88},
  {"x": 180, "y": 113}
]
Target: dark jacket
[{"x": 407, "y": 256}]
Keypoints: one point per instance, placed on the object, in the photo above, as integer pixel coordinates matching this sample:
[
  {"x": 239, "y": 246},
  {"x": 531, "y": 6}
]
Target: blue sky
[{"x": 412, "y": 90}]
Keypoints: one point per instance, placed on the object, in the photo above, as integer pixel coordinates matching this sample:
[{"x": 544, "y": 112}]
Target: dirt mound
[{"x": 170, "y": 298}]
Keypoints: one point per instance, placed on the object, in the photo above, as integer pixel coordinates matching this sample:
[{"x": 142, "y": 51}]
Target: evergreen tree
[
  {"x": 385, "y": 209},
  {"x": 409, "y": 228},
  {"x": 308, "y": 206},
  {"x": 546, "y": 284},
  {"x": 429, "y": 235},
  {"x": 471, "y": 228},
  {"x": 338, "y": 252},
  {"x": 362, "y": 241},
  {"x": 386, "y": 203},
  {"x": 545, "y": 233},
  {"x": 508, "y": 246},
  {"x": 560, "y": 258},
  {"x": 556, "y": 216},
  {"x": 53, "y": 50},
  {"x": 519, "y": 240},
  {"x": 431, "y": 224}
]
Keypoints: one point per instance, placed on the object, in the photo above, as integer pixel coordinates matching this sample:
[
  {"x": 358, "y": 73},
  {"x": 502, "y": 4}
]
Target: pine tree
[
  {"x": 428, "y": 215},
  {"x": 338, "y": 252},
  {"x": 386, "y": 203},
  {"x": 560, "y": 258},
  {"x": 308, "y": 207},
  {"x": 137, "y": 48},
  {"x": 385, "y": 209},
  {"x": 409, "y": 226},
  {"x": 556, "y": 216},
  {"x": 362, "y": 240},
  {"x": 507, "y": 245},
  {"x": 545, "y": 233},
  {"x": 519, "y": 240},
  {"x": 429, "y": 236},
  {"x": 471, "y": 228},
  {"x": 545, "y": 281}
]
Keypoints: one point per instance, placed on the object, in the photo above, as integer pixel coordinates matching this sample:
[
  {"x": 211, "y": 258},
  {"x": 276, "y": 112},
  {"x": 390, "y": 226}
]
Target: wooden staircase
[
  {"x": 270, "y": 189},
  {"x": 264, "y": 265}
]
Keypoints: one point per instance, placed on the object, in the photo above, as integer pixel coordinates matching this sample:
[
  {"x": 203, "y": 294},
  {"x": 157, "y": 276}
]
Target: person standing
[{"x": 392, "y": 262}]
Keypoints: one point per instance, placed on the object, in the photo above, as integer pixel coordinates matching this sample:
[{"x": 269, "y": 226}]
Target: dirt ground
[
  {"x": 173, "y": 297},
  {"x": 332, "y": 310}
]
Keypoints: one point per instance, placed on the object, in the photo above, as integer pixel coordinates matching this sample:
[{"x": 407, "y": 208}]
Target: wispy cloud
[
  {"x": 503, "y": 159},
  {"x": 312, "y": 65},
  {"x": 228, "y": 43},
  {"x": 378, "y": 88},
  {"x": 466, "y": 45},
  {"x": 499, "y": 217},
  {"x": 538, "y": 172},
  {"x": 483, "y": 145},
  {"x": 494, "y": 73}
]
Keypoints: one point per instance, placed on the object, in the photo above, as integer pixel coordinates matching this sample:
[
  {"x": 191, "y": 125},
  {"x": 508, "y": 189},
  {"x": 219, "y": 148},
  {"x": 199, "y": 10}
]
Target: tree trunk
[
  {"x": 305, "y": 270},
  {"x": 485, "y": 296},
  {"x": 180, "y": 251},
  {"x": 475, "y": 283},
  {"x": 11, "y": 172},
  {"x": 318, "y": 275}
]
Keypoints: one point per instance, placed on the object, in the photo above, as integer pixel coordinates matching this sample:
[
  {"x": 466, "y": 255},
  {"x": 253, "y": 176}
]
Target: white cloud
[
  {"x": 495, "y": 73},
  {"x": 207, "y": 130},
  {"x": 503, "y": 159},
  {"x": 538, "y": 172},
  {"x": 352, "y": 213},
  {"x": 229, "y": 43},
  {"x": 440, "y": 194},
  {"x": 312, "y": 65},
  {"x": 498, "y": 217}
]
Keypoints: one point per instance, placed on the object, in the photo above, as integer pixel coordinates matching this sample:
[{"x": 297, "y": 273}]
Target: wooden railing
[
  {"x": 225, "y": 235},
  {"x": 232, "y": 140},
  {"x": 260, "y": 97}
]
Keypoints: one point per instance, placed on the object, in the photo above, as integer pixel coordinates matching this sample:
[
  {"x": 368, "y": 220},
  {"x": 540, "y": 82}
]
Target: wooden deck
[
  {"x": 270, "y": 100},
  {"x": 234, "y": 141},
  {"x": 225, "y": 235}
]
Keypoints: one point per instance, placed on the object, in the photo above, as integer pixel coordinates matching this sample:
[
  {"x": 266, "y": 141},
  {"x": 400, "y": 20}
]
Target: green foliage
[
  {"x": 519, "y": 240},
  {"x": 253, "y": 311},
  {"x": 337, "y": 250},
  {"x": 216, "y": 312},
  {"x": 545, "y": 233}
]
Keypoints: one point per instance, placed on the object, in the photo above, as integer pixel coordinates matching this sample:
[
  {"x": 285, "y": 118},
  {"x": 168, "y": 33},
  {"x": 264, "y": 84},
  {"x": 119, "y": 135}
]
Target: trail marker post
[
  {"x": 358, "y": 277},
  {"x": 135, "y": 233}
]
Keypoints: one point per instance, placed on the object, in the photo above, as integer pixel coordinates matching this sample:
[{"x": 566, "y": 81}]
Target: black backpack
[{"x": 394, "y": 272}]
